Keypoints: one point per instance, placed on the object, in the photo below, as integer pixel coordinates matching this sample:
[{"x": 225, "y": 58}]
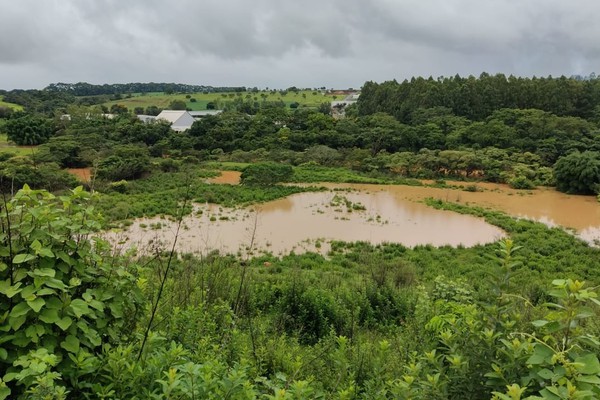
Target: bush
[
  {"x": 520, "y": 182},
  {"x": 61, "y": 296},
  {"x": 29, "y": 130},
  {"x": 127, "y": 162},
  {"x": 266, "y": 174},
  {"x": 578, "y": 172}
]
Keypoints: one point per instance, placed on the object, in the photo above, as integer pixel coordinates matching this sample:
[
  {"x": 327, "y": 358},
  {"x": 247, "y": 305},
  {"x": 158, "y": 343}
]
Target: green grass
[
  {"x": 162, "y": 193},
  {"x": 9, "y": 147},
  {"x": 304, "y": 98},
  {"x": 13, "y": 106},
  {"x": 226, "y": 165}
]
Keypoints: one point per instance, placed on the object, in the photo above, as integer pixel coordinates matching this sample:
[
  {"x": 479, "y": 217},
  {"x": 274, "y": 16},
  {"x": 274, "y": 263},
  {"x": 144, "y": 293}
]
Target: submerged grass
[{"x": 162, "y": 193}]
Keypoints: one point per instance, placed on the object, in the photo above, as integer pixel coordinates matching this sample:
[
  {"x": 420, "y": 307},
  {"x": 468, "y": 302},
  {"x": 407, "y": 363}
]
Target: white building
[{"x": 180, "y": 120}]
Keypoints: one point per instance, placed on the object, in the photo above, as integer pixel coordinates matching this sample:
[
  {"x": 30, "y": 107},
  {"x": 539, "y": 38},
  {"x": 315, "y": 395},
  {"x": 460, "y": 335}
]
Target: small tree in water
[{"x": 266, "y": 174}]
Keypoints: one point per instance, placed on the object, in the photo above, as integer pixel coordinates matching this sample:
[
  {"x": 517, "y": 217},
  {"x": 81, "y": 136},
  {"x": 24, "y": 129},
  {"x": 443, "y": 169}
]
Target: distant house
[
  {"x": 180, "y": 120},
  {"x": 146, "y": 118}
]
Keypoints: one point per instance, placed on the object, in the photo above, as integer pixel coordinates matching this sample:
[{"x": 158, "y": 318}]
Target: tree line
[
  {"x": 89, "y": 89},
  {"x": 477, "y": 98}
]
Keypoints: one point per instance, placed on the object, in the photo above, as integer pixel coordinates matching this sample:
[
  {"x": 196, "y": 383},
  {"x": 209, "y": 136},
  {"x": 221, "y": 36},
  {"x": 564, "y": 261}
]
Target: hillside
[
  {"x": 12, "y": 106},
  {"x": 161, "y": 100}
]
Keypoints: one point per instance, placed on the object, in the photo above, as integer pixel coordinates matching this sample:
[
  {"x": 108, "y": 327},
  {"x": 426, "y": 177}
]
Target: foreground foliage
[{"x": 375, "y": 322}]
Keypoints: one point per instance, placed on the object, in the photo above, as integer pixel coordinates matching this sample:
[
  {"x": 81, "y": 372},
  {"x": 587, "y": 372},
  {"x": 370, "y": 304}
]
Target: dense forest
[
  {"x": 511, "y": 320},
  {"x": 477, "y": 98}
]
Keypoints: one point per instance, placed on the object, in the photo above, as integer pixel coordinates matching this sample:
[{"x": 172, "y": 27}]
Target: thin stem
[{"x": 166, "y": 274}]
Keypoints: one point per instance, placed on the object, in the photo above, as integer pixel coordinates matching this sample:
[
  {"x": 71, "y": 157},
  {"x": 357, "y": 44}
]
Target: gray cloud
[{"x": 278, "y": 43}]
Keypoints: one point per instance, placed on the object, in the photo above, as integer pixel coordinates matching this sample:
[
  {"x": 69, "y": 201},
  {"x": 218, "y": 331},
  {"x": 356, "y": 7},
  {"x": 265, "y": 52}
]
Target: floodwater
[
  {"x": 83, "y": 174},
  {"x": 546, "y": 205},
  {"x": 358, "y": 212},
  {"x": 227, "y": 177}
]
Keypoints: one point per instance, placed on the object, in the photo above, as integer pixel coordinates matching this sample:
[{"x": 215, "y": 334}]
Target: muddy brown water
[
  {"x": 227, "y": 177},
  {"x": 83, "y": 174},
  {"x": 358, "y": 212}
]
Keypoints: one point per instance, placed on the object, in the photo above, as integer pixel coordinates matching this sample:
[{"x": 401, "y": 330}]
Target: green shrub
[
  {"x": 62, "y": 297},
  {"x": 266, "y": 174}
]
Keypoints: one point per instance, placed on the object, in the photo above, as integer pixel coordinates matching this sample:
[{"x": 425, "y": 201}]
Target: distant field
[
  {"x": 15, "y": 107},
  {"x": 161, "y": 100},
  {"x": 8, "y": 147}
]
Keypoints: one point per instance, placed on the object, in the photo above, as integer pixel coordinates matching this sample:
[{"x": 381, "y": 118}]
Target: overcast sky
[{"x": 281, "y": 43}]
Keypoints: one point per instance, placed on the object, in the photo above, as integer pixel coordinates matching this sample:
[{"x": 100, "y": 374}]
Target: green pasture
[
  {"x": 9, "y": 147},
  {"x": 13, "y": 106},
  {"x": 304, "y": 98}
]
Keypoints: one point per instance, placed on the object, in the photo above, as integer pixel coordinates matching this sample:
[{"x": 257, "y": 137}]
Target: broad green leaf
[
  {"x": 4, "y": 391},
  {"x": 54, "y": 303},
  {"x": 3, "y": 354},
  {"x": 540, "y": 355},
  {"x": 116, "y": 309},
  {"x": 545, "y": 373},
  {"x": 65, "y": 257},
  {"x": 9, "y": 376},
  {"x": 79, "y": 307},
  {"x": 28, "y": 293},
  {"x": 593, "y": 379},
  {"x": 16, "y": 322},
  {"x": 35, "y": 245},
  {"x": 588, "y": 364},
  {"x": 37, "y": 304},
  {"x": 98, "y": 305},
  {"x": 550, "y": 393},
  {"x": 46, "y": 252},
  {"x": 64, "y": 323},
  {"x": 21, "y": 258},
  {"x": 49, "y": 316},
  {"x": 45, "y": 292},
  {"x": 71, "y": 344},
  {"x": 55, "y": 283},
  {"x": 6, "y": 338},
  {"x": 49, "y": 272},
  {"x": 32, "y": 332},
  {"x": 8, "y": 290},
  {"x": 20, "y": 310},
  {"x": 74, "y": 282}
]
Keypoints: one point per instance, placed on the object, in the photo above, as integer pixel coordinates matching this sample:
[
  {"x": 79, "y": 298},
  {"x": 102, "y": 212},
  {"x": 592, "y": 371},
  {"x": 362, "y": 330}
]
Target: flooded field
[
  {"x": 308, "y": 221},
  {"x": 359, "y": 212},
  {"x": 581, "y": 213}
]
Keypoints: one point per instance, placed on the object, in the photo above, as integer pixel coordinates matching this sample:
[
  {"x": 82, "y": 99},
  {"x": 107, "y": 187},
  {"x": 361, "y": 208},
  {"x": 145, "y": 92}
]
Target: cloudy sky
[{"x": 280, "y": 43}]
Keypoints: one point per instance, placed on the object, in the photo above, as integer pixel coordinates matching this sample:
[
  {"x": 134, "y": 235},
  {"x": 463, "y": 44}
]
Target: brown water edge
[
  {"x": 307, "y": 222},
  {"x": 546, "y": 205},
  {"x": 543, "y": 204},
  {"x": 227, "y": 177},
  {"x": 83, "y": 174}
]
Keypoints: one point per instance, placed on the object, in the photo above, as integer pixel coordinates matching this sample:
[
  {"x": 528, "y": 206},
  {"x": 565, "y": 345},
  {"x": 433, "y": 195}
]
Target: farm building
[{"x": 180, "y": 120}]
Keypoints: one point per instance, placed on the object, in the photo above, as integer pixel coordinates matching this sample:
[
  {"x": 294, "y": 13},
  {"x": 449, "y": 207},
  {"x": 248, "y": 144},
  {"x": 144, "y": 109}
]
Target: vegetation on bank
[
  {"x": 496, "y": 321},
  {"x": 163, "y": 193}
]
